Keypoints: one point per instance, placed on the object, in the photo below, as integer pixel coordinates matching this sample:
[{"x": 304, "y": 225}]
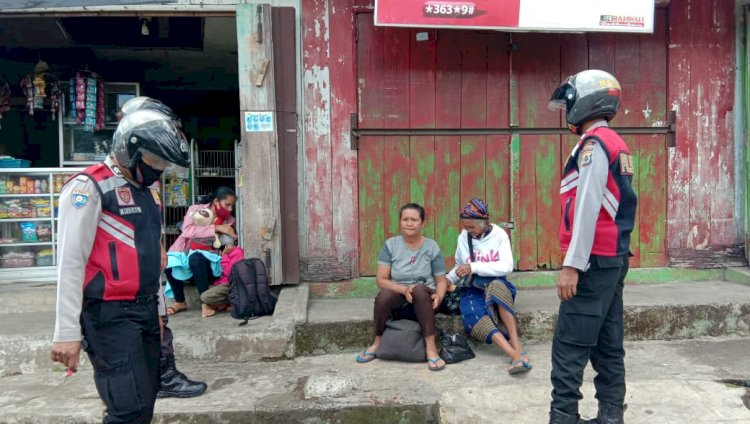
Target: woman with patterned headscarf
[{"x": 483, "y": 261}]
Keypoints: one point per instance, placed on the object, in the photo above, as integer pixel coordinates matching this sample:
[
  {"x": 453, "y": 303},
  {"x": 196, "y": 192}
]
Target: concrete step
[
  {"x": 667, "y": 382},
  {"x": 26, "y": 337},
  {"x": 653, "y": 312}
]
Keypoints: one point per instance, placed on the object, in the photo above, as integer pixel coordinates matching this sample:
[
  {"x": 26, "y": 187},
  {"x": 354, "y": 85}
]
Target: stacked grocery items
[
  {"x": 44, "y": 257},
  {"x": 176, "y": 192},
  {"x": 35, "y": 232},
  {"x": 18, "y": 259},
  {"x": 176, "y": 186},
  {"x": 27, "y": 258},
  {"x": 59, "y": 180},
  {"x": 87, "y": 104},
  {"x": 26, "y": 208},
  {"x": 10, "y": 184}
]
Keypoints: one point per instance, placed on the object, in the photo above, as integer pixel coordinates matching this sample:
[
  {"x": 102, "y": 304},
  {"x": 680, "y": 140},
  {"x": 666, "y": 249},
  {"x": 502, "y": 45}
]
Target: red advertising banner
[
  {"x": 430, "y": 13},
  {"x": 521, "y": 15}
]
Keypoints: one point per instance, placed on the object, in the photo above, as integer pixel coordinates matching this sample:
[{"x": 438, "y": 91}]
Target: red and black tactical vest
[
  {"x": 617, "y": 214},
  {"x": 125, "y": 261}
]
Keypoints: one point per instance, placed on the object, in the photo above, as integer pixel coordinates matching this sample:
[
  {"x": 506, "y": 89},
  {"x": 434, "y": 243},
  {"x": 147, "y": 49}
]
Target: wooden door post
[{"x": 259, "y": 172}]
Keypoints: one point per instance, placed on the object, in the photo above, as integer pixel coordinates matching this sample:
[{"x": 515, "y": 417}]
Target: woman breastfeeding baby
[{"x": 205, "y": 251}]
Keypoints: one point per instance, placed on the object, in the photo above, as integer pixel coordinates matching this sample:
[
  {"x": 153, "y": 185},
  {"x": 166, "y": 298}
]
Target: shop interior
[{"x": 62, "y": 80}]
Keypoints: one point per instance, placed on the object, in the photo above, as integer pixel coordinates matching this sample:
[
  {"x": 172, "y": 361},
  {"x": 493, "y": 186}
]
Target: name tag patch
[{"x": 130, "y": 211}]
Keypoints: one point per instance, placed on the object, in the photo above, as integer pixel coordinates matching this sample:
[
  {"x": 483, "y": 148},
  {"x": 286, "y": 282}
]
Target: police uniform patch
[
  {"x": 587, "y": 154},
  {"x": 79, "y": 198},
  {"x": 627, "y": 167},
  {"x": 125, "y": 197}
]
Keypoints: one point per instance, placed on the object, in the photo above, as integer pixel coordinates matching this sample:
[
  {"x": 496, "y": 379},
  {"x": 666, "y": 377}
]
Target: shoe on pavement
[{"x": 176, "y": 384}]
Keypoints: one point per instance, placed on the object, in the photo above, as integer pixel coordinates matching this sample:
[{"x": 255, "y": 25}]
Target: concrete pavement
[
  {"x": 668, "y": 382},
  {"x": 259, "y": 374}
]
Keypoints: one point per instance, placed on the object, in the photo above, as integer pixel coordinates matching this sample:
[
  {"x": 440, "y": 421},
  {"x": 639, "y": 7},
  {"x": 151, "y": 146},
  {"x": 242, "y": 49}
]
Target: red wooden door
[{"x": 415, "y": 78}]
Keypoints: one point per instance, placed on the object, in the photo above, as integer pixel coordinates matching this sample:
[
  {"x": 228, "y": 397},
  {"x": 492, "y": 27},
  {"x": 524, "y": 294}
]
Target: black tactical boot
[
  {"x": 176, "y": 384},
  {"x": 559, "y": 417},
  {"x": 609, "y": 413}
]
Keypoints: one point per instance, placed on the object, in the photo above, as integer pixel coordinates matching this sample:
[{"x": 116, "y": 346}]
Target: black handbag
[{"x": 454, "y": 347}]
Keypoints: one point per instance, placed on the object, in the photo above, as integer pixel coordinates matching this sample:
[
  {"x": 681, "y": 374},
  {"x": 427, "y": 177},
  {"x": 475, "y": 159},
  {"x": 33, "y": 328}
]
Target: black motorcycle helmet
[
  {"x": 585, "y": 96},
  {"x": 148, "y": 103},
  {"x": 148, "y": 132}
]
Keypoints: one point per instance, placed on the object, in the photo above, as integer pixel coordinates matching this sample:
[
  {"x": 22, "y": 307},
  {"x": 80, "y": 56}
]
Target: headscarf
[{"x": 475, "y": 209}]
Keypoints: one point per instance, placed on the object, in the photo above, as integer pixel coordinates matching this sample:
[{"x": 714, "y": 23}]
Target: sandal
[
  {"x": 171, "y": 310},
  {"x": 520, "y": 366},
  {"x": 524, "y": 356},
  {"x": 365, "y": 357},
  {"x": 434, "y": 361}
]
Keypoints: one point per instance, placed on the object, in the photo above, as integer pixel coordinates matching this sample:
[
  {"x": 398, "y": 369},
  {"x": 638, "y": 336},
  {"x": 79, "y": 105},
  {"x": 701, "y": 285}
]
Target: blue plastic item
[{"x": 14, "y": 163}]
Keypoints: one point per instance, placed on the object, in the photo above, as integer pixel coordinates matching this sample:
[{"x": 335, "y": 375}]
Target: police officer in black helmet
[
  {"x": 598, "y": 208},
  {"x": 173, "y": 382},
  {"x": 109, "y": 265}
]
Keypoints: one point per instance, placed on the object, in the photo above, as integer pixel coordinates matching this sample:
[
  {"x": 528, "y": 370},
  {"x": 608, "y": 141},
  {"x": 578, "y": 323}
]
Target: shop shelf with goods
[
  {"x": 29, "y": 200},
  {"x": 82, "y": 145},
  {"x": 175, "y": 200},
  {"x": 210, "y": 169}
]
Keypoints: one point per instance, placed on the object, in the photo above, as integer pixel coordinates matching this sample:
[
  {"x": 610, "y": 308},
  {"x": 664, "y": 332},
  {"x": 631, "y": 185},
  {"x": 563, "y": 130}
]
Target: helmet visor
[{"x": 563, "y": 97}]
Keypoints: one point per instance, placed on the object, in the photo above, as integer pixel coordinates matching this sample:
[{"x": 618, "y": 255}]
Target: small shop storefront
[{"x": 64, "y": 76}]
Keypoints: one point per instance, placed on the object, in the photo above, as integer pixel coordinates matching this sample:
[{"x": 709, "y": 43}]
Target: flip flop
[
  {"x": 524, "y": 354},
  {"x": 171, "y": 310},
  {"x": 434, "y": 361},
  {"x": 365, "y": 357},
  {"x": 520, "y": 367}
]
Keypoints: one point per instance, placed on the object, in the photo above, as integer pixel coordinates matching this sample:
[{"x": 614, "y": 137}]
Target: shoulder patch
[
  {"x": 587, "y": 154},
  {"x": 79, "y": 198}
]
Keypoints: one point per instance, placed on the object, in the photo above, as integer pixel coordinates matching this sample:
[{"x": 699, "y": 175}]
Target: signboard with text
[
  {"x": 259, "y": 121},
  {"x": 38, "y": 4},
  {"x": 519, "y": 15}
]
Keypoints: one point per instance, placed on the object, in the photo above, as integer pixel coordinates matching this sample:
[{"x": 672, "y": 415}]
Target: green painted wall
[{"x": 365, "y": 287}]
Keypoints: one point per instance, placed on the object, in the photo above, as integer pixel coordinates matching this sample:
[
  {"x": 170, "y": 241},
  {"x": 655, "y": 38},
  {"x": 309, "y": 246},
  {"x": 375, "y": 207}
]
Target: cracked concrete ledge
[
  {"x": 25, "y": 338},
  {"x": 653, "y": 312}
]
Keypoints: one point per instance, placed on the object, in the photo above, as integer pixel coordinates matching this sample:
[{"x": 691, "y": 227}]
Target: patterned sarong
[{"x": 479, "y": 308}]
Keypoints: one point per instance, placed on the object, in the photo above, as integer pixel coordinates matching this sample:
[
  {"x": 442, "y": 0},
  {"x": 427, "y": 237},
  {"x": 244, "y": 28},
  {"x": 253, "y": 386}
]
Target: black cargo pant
[
  {"x": 590, "y": 327},
  {"x": 122, "y": 341}
]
